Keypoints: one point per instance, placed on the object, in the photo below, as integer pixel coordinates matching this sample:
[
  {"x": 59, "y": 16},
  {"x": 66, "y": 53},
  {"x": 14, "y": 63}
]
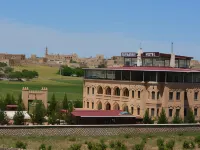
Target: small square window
[
  {"x": 195, "y": 111},
  {"x": 158, "y": 95},
  {"x": 153, "y": 95},
  {"x": 138, "y": 111},
  {"x": 170, "y": 95},
  {"x": 88, "y": 90},
  {"x": 88, "y": 104},
  {"x": 178, "y": 94},
  {"x": 138, "y": 94},
  {"x": 170, "y": 112},
  {"x": 177, "y": 112},
  {"x": 133, "y": 94},
  {"x": 92, "y": 105},
  {"x": 196, "y": 96},
  {"x": 92, "y": 91}
]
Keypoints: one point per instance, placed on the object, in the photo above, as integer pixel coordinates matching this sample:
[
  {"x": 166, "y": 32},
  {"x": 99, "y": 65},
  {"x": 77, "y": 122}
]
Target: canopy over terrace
[
  {"x": 155, "y": 74},
  {"x": 103, "y": 117}
]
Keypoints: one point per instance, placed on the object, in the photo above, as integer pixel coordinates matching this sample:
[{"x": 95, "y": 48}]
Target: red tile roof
[
  {"x": 150, "y": 68},
  {"x": 97, "y": 113}
]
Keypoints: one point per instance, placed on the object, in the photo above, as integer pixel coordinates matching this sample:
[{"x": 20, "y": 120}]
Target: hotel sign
[
  {"x": 151, "y": 54},
  {"x": 129, "y": 54}
]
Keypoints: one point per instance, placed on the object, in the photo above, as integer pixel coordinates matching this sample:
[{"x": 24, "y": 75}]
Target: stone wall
[{"x": 95, "y": 130}]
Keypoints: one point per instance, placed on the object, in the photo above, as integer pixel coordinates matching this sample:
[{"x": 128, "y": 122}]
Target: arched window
[
  {"x": 158, "y": 95},
  {"x": 108, "y": 106},
  {"x": 153, "y": 95},
  {"x": 99, "y": 106},
  {"x": 108, "y": 91},
  {"x": 117, "y": 91},
  {"x": 126, "y": 92},
  {"x": 100, "y": 90},
  {"x": 125, "y": 108},
  {"x": 116, "y": 106}
]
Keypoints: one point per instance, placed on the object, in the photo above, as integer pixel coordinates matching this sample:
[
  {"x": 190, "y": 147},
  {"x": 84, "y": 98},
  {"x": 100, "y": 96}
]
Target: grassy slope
[{"x": 47, "y": 78}]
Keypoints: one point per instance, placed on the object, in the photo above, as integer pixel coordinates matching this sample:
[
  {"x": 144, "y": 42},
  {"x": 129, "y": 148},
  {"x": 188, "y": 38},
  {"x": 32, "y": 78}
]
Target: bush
[
  {"x": 170, "y": 144},
  {"x": 42, "y": 147},
  {"x": 160, "y": 144},
  {"x": 197, "y": 139},
  {"x": 75, "y": 147},
  {"x": 138, "y": 147},
  {"x": 127, "y": 136},
  {"x": 112, "y": 144},
  {"x": 96, "y": 146},
  {"x": 72, "y": 139},
  {"x": 188, "y": 145},
  {"x": 21, "y": 145}
]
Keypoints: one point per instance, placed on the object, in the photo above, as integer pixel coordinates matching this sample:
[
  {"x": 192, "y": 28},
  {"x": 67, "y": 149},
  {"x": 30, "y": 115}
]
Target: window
[
  {"x": 138, "y": 94},
  {"x": 195, "y": 111},
  {"x": 132, "y": 110},
  {"x": 117, "y": 91},
  {"x": 170, "y": 112},
  {"x": 185, "y": 111},
  {"x": 92, "y": 91},
  {"x": 88, "y": 104},
  {"x": 92, "y": 105},
  {"x": 88, "y": 90},
  {"x": 177, "y": 112},
  {"x": 153, "y": 95},
  {"x": 138, "y": 111},
  {"x": 126, "y": 92},
  {"x": 132, "y": 94},
  {"x": 178, "y": 95},
  {"x": 170, "y": 95},
  {"x": 157, "y": 111},
  {"x": 158, "y": 95},
  {"x": 152, "y": 112},
  {"x": 196, "y": 95},
  {"x": 185, "y": 96}
]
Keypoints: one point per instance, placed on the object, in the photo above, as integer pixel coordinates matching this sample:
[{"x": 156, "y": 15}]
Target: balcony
[
  {"x": 124, "y": 99},
  {"x": 107, "y": 97},
  {"x": 99, "y": 96},
  {"x": 115, "y": 98}
]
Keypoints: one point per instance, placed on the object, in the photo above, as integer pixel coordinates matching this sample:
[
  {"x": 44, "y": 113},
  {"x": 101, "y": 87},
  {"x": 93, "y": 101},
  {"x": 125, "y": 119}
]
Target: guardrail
[{"x": 95, "y": 130}]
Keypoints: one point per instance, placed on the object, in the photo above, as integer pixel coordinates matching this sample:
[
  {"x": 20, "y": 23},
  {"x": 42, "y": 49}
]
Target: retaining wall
[{"x": 95, "y": 130}]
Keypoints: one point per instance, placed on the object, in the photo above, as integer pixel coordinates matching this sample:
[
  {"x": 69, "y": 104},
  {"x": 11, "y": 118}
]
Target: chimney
[{"x": 172, "y": 60}]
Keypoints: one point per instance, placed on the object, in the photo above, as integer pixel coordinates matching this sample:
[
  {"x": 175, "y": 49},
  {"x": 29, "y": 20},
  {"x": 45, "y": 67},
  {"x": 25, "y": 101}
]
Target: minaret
[
  {"x": 46, "y": 52},
  {"x": 139, "y": 56},
  {"x": 172, "y": 60}
]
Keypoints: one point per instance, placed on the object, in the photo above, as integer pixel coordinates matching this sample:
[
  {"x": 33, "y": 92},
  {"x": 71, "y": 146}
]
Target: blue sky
[{"x": 90, "y": 27}]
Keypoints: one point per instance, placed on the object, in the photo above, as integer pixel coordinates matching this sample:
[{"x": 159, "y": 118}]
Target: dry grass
[{"x": 63, "y": 143}]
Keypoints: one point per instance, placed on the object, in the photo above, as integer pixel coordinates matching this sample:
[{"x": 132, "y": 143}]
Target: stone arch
[
  {"x": 108, "y": 90},
  {"x": 126, "y": 92},
  {"x": 125, "y": 107},
  {"x": 99, "y": 90},
  {"x": 116, "y": 106},
  {"x": 99, "y": 105},
  {"x": 107, "y": 106},
  {"x": 116, "y": 91}
]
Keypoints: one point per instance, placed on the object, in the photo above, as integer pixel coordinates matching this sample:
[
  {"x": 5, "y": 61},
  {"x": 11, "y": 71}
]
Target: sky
[{"x": 90, "y": 27}]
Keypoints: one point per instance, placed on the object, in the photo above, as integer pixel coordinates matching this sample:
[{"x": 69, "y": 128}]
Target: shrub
[
  {"x": 20, "y": 144},
  {"x": 198, "y": 145},
  {"x": 42, "y": 147},
  {"x": 188, "y": 145},
  {"x": 72, "y": 139},
  {"x": 160, "y": 144},
  {"x": 197, "y": 139},
  {"x": 170, "y": 144},
  {"x": 127, "y": 136},
  {"x": 75, "y": 147},
  {"x": 102, "y": 145},
  {"x": 138, "y": 147},
  {"x": 112, "y": 144}
]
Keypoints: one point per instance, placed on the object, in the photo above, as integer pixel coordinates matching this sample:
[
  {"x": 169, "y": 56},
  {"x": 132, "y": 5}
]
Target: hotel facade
[{"x": 147, "y": 81}]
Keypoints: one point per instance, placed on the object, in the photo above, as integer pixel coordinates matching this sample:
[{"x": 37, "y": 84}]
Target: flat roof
[
  {"x": 99, "y": 113},
  {"x": 145, "y": 68}
]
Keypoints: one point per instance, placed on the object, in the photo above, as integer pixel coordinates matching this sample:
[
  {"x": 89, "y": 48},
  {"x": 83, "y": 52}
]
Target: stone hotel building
[{"x": 147, "y": 81}]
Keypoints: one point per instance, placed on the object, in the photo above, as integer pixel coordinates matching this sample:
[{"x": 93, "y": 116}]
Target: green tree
[
  {"x": 20, "y": 102},
  {"x": 79, "y": 72},
  {"x": 162, "y": 119},
  {"x": 8, "y": 70},
  {"x": 147, "y": 118},
  {"x": 190, "y": 118},
  {"x": 19, "y": 118},
  {"x": 8, "y": 99},
  {"x": 52, "y": 105},
  {"x": 78, "y": 103},
  {"x": 52, "y": 118},
  {"x": 13, "y": 99},
  {"x": 2, "y": 104},
  {"x": 2, "y": 64},
  {"x": 38, "y": 113},
  {"x": 177, "y": 119},
  {"x": 16, "y": 74},
  {"x": 66, "y": 71},
  {"x": 3, "y": 118},
  {"x": 65, "y": 102}
]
